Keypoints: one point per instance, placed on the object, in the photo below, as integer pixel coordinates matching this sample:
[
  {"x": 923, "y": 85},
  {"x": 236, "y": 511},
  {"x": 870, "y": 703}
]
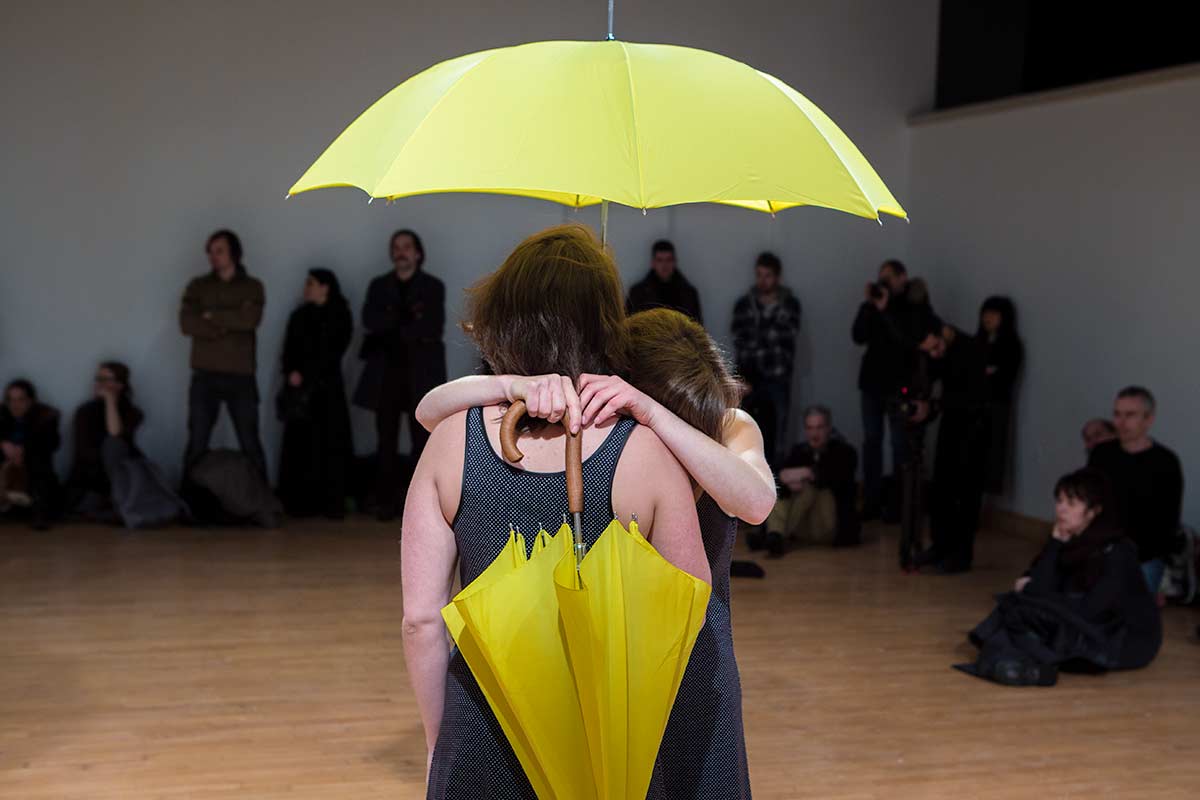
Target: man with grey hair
[
  {"x": 1146, "y": 481},
  {"x": 818, "y": 490}
]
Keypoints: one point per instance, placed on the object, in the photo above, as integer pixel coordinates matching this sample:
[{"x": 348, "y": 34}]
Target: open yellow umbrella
[
  {"x": 579, "y": 123},
  {"x": 580, "y": 659}
]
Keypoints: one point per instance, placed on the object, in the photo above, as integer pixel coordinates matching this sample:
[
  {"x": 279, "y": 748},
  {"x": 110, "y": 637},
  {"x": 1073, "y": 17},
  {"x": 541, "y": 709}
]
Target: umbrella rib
[
  {"x": 425, "y": 119},
  {"x": 775, "y": 82},
  {"x": 637, "y": 139}
]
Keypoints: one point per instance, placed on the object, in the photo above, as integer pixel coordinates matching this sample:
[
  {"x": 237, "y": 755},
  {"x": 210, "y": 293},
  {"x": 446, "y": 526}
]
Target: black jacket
[
  {"x": 37, "y": 432},
  {"x": 1102, "y": 582},
  {"x": 891, "y": 337},
  {"x": 962, "y": 373},
  {"x": 1004, "y": 357},
  {"x": 404, "y": 322},
  {"x": 317, "y": 338},
  {"x": 675, "y": 293}
]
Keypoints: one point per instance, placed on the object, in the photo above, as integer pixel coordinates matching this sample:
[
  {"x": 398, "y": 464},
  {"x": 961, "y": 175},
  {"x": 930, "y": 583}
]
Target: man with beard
[{"x": 404, "y": 315}]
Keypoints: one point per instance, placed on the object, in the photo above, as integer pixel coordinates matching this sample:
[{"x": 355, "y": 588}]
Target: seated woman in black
[
  {"x": 104, "y": 430},
  {"x": 28, "y": 439},
  {"x": 1082, "y": 606}
]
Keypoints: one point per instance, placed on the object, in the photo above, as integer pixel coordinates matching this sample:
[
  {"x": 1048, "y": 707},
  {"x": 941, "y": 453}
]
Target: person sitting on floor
[
  {"x": 816, "y": 505},
  {"x": 28, "y": 439},
  {"x": 104, "y": 429},
  {"x": 1083, "y": 605}
]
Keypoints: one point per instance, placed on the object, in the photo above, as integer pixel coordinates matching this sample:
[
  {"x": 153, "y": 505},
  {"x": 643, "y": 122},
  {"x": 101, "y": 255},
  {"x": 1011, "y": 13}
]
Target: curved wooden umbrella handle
[
  {"x": 510, "y": 451},
  {"x": 508, "y": 432}
]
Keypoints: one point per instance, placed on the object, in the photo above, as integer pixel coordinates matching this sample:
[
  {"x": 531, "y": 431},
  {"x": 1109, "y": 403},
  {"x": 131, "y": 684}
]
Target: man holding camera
[
  {"x": 890, "y": 324},
  {"x": 957, "y": 367}
]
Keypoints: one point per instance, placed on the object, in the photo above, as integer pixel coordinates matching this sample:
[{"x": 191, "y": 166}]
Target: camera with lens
[
  {"x": 879, "y": 290},
  {"x": 905, "y": 404}
]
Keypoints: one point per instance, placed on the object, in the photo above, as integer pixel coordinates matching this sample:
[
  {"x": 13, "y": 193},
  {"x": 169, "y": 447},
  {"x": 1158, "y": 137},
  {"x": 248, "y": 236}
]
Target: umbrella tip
[
  {"x": 287, "y": 196},
  {"x": 370, "y": 200}
]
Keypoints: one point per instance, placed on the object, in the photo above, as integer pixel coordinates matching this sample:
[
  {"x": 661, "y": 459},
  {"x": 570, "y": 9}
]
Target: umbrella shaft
[
  {"x": 603, "y": 222},
  {"x": 580, "y": 547}
]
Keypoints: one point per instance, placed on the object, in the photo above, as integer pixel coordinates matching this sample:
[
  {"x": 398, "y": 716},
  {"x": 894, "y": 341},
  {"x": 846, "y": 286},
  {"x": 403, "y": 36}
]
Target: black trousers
[
  {"x": 239, "y": 394},
  {"x": 959, "y": 475},
  {"x": 398, "y": 398}
]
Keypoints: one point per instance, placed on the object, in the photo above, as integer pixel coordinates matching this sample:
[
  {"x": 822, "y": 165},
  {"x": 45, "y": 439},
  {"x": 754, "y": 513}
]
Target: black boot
[
  {"x": 776, "y": 546},
  {"x": 756, "y": 538}
]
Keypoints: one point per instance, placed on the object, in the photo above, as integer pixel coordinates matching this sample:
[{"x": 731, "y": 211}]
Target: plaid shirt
[{"x": 764, "y": 337}]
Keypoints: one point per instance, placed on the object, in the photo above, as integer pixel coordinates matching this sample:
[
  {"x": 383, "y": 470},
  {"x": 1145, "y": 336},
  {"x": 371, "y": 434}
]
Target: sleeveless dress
[
  {"x": 473, "y": 760},
  {"x": 703, "y": 752}
]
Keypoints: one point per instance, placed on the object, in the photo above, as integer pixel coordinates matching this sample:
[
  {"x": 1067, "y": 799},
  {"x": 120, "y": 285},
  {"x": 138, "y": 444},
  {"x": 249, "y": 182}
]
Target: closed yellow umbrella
[
  {"x": 580, "y": 659},
  {"x": 578, "y": 123}
]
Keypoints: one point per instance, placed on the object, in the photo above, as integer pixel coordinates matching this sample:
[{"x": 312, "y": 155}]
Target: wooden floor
[{"x": 252, "y": 665}]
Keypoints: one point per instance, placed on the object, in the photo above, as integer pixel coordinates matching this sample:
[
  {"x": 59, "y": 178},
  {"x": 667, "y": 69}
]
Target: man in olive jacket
[
  {"x": 220, "y": 312},
  {"x": 404, "y": 314}
]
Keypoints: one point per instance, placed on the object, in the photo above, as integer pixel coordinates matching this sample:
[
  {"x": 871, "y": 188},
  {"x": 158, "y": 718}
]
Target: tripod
[{"x": 912, "y": 480}]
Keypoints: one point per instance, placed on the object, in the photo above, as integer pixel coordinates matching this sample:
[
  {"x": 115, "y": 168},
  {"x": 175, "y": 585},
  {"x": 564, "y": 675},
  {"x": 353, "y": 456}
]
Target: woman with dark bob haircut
[
  {"x": 1083, "y": 604},
  {"x": 554, "y": 306}
]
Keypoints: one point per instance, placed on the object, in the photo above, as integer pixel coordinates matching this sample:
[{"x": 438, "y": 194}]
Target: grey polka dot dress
[
  {"x": 472, "y": 759},
  {"x": 703, "y": 752}
]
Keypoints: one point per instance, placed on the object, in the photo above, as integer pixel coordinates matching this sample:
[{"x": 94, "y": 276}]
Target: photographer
[
  {"x": 957, "y": 368},
  {"x": 894, "y": 316}
]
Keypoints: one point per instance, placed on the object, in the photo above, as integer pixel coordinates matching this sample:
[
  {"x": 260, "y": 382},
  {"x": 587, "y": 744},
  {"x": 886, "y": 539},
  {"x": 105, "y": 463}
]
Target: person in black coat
[
  {"x": 317, "y": 444},
  {"x": 104, "y": 430},
  {"x": 404, "y": 315},
  {"x": 1003, "y": 353},
  {"x": 960, "y": 459},
  {"x": 29, "y": 438},
  {"x": 664, "y": 286},
  {"x": 894, "y": 317},
  {"x": 1083, "y": 604}
]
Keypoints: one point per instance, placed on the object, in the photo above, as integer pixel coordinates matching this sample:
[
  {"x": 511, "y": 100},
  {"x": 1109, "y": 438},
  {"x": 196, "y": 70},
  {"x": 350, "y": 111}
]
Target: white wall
[
  {"x": 1084, "y": 211},
  {"x": 133, "y": 129}
]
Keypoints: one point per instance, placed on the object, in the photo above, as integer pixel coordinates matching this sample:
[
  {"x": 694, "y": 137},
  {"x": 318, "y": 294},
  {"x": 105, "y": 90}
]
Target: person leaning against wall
[{"x": 220, "y": 313}]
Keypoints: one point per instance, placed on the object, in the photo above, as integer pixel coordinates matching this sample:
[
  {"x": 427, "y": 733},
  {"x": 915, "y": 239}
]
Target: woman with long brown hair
[
  {"x": 554, "y": 306},
  {"x": 680, "y": 386}
]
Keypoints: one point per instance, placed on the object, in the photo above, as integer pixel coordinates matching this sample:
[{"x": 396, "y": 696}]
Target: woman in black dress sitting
[{"x": 1083, "y": 604}]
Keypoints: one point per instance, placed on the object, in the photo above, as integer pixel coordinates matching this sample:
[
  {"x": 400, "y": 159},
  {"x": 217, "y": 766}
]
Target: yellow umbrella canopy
[
  {"x": 580, "y": 660},
  {"x": 578, "y": 123}
]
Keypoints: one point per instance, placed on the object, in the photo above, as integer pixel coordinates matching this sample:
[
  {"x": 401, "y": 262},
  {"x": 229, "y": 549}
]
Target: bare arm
[
  {"x": 427, "y": 557},
  {"x": 653, "y": 485},
  {"x": 459, "y": 395},
  {"x": 734, "y": 473},
  {"x": 549, "y": 397}
]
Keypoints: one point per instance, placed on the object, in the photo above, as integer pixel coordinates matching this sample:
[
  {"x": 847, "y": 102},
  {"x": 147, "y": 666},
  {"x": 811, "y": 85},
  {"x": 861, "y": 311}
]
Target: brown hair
[
  {"x": 554, "y": 306},
  {"x": 674, "y": 360},
  {"x": 121, "y": 373}
]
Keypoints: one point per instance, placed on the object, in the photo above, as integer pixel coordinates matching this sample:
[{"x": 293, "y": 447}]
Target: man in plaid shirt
[{"x": 765, "y": 323}]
